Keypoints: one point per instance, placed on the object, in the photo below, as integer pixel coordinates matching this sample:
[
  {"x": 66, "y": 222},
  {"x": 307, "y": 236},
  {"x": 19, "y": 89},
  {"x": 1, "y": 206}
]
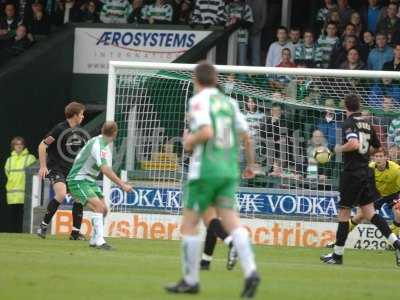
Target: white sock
[
  {"x": 392, "y": 238},
  {"x": 242, "y": 244},
  {"x": 228, "y": 240},
  {"x": 206, "y": 257},
  {"x": 191, "y": 245},
  {"x": 338, "y": 250},
  {"x": 98, "y": 229}
]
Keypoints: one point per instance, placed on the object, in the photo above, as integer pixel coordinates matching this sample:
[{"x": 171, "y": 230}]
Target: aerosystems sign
[{"x": 95, "y": 47}]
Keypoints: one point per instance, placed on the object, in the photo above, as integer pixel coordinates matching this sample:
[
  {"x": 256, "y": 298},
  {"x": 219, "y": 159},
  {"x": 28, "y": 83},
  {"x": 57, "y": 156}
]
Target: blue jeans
[
  {"x": 255, "y": 43},
  {"x": 242, "y": 54}
]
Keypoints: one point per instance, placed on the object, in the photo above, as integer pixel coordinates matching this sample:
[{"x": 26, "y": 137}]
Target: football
[{"x": 322, "y": 155}]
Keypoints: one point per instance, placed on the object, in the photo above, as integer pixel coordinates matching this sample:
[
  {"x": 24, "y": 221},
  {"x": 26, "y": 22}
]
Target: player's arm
[
  {"x": 199, "y": 113},
  {"x": 375, "y": 143},
  {"x": 201, "y": 136},
  {"x": 352, "y": 142},
  {"x": 101, "y": 156},
  {"x": 50, "y": 138},
  {"x": 107, "y": 171}
]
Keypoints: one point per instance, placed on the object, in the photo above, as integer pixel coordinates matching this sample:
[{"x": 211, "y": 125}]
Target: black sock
[
  {"x": 396, "y": 224},
  {"x": 342, "y": 233},
  {"x": 382, "y": 225},
  {"x": 210, "y": 242},
  {"x": 77, "y": 215},
  {"x": 216, "y": 226},
  {"x": 51, "y": 210},
  {"x": 352, "y": 222}
]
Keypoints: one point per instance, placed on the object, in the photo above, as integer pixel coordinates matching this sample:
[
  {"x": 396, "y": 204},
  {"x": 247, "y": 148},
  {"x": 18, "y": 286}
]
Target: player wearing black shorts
[
  {"x": 61, "y": 145},
  {"x": 357, "y": 183}
]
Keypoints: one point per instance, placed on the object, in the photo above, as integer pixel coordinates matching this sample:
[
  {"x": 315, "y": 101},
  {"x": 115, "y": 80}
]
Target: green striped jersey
[
  {"x": 326, "y": 44},
  {"x": 217, "y": 157},
  {"x": 312, "y": 53},
  {"x": 115, "y": 11},
  {"x": 92, "y": 156},
  {"x": 244, "y": 13},
  {"x": 394, "y": 132},
  {"x": 158, "y": 13}
]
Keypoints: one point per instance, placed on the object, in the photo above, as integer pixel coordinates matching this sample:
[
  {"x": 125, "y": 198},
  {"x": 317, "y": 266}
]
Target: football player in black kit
[
  {"x": 61, "y": 145},
  {"x": 357, "y": 184}
]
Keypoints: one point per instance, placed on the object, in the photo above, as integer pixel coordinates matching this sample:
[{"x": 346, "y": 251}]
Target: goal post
[{"x": 292, "y": 112}]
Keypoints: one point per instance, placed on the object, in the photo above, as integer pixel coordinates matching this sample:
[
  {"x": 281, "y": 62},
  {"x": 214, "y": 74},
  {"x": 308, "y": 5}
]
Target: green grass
[{"x": 56, "y": 268}]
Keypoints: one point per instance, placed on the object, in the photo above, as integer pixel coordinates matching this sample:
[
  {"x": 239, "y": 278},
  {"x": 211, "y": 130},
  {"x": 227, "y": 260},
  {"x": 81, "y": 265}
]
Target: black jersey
[
  {"x": 358, "y": 127},
  {"x": 64, "y": 143}
]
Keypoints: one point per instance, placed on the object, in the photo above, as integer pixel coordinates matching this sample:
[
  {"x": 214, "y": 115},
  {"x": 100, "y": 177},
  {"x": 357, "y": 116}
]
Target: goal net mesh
[{"x": 290, "y": 116}]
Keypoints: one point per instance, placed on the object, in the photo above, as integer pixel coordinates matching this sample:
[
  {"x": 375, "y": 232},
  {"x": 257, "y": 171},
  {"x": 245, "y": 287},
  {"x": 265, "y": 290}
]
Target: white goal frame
[{"x": 114, "y": 66}]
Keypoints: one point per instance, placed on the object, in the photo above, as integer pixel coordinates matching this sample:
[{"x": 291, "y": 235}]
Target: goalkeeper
[{"x": 387, "y": 180}]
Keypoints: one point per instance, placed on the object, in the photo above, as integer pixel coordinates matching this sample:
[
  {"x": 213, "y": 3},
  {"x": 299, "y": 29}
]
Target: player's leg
[
  {"x": 214, "y": 230},
  {"x": 99, "y": 209},
  {"x": 77, "y": 216},
  {"x": 242, "y": 244},
  {"x": 230, "y": 219},
  {"x": 60, "y": 190},
  {"x": 196, "y": 199},
  {"x": 190, "y": 255},
  {"x": 396, "y": 222},
  {"x": 376, "y": 219},
  {"x": 353, "y": 222}
]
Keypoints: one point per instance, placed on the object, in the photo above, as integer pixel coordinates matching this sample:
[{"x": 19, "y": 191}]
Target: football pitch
[{"x": 56, "y": 268}]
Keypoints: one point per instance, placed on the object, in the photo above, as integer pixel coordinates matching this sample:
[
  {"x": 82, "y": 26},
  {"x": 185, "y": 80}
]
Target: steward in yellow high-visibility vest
[{"x": 15, "y": 171}]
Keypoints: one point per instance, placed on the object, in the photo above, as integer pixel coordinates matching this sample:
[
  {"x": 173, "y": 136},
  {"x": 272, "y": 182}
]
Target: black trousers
[{"x": 16, "y": 215}]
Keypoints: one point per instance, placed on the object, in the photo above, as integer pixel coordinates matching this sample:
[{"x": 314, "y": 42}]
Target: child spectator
[
  {"x": 274, "y": 55},
  {"x": 115, "y": 11},
  {"x": 327, "y": 43},
  {"x": 332, "y": 17},
  {"x": 308, "y": 53},
  {"x": 328, "y": 127},
  {"x": 158, "y": 13},
  {"x": 318, "y": 140},
  {"x": 238, "y": 12},
  {"x": 349, "y": 29},
  {"x": 286, "y": 61},
  {"x": 380, "y": 54}
]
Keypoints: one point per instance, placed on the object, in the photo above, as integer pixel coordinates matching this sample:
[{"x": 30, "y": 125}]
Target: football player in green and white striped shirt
[
  {"x": 158, "y": 13},
  {"x": 217, "y": 126},
  {"x": 91, "y": 160},
  {"x": 115, "y": 11}
]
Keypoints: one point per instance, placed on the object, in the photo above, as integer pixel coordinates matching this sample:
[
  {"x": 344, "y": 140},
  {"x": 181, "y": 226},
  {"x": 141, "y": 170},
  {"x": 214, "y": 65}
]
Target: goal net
[{"x": 291, "y": 113}]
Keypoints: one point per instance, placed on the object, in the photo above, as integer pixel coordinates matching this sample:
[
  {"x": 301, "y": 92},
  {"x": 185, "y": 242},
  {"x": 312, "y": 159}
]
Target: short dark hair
[
  {"x": 309, "y": 30},
  {"x": 282, "y": 28},
  {"x": 276, "y": 104},
  {"x": 382, "y": 34},
  {"x": 109, "y": 128},
  {"x": 352, "y": 102},
  {"x": 295, "y": 28},
  {"x": 206, "y": 74},
  {"x": 350, "y": 24},
  {"x": 74, "y": 108}
]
